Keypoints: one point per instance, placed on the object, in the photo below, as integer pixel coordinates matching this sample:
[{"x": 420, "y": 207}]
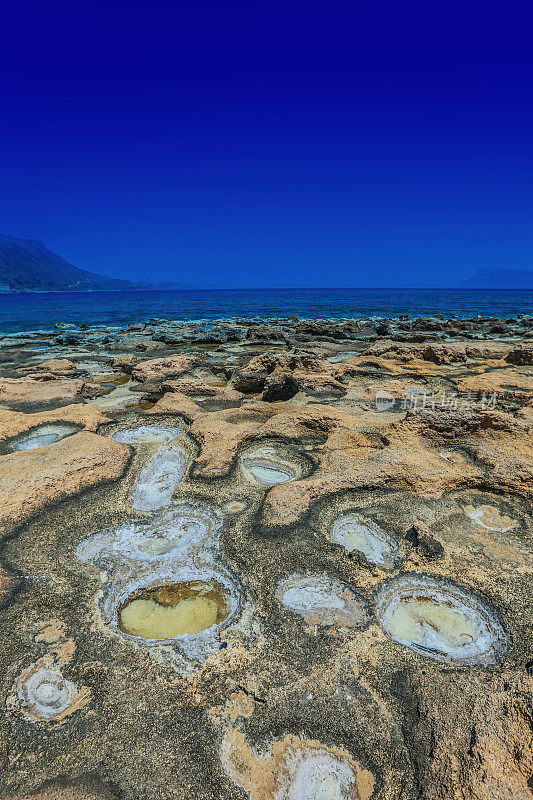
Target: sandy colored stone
[
  {"x": 351, "y": 456},
  {"x": 33, "y": 479},
  {"x": 26, "y": 392},
  {"x": 125, "y": 362},
  {"x": 497, "y": 381},
  {"x": 450, "y": 352},
  {"x": 394, "y": 365},
  {"x": 61, "y": 367},
  {"x": 163, "y": 368},
  {"x": 177, "y": 403},
  {"x": 307, "y": 373},
  {"x": 221, "y": 434},
  {"x": 352, "y": 461},
  {"x": 13, "y": 423},
  {"x": 267, "y": 778},
  {"x": 198, "y": 388},
  {"x": 509, "y": 455},
  {"x": 482, "y": 746}
]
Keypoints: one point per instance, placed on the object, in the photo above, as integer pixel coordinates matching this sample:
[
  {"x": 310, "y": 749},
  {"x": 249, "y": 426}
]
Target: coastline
[
  {"x": 30, "y": 311},
  {"x": 311, "y": 476}
]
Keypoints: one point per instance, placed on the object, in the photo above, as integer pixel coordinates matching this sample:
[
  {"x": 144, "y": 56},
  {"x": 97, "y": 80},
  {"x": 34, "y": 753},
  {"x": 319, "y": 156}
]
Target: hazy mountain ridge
[
  {"x": 499, "y": 279},
  {"x": 26, "y": 265}
]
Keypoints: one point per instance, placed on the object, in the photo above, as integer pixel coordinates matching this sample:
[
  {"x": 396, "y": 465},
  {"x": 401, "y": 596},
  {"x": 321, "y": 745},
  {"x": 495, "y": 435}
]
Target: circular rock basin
[
  {"x": 267, "y": 466},
  {"x": 322, "y": 601},
  {"x": 185, "y": 605},
  {"x": 158, "y": 479},
  {"x": 489, "y": 517},
  {"x": 172, "y": 536},
  {"x": 440, "y": 620},
  {"x": 354, "y": 532},
  {"x": 43, "y": 435},
  {"x": 44, "y": 692},
  {"x": 164, "y": 612},
  {"x": 316, "y": 774},
  {"x": 147, "y": 434}
]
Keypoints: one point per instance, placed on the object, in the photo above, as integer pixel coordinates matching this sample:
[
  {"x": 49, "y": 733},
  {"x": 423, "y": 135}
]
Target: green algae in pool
[{"x": 164, "y": 612}]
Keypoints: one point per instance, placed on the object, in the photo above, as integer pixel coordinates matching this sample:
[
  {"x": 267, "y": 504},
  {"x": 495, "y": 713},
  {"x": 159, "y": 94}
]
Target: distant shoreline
[
  {"x": 4, "y": 292},
  {"x": 94, "y": 291}
]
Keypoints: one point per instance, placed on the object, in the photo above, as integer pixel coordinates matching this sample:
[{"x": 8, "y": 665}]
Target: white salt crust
[
  {"x": 268, "y": 466},
  {"x": 313, "y": 774},
  {"x": 44, "y": 693},
  {"x": 158, "y": 480},
  {"x": 147, "y": 434},
  {"x": 322, "y": 601},
  {"x": 440, "y": 620},
  {"x": 43, "y": 435},
  {"x": 354, "y": 532},
  {"x": 177, "y": 545}
]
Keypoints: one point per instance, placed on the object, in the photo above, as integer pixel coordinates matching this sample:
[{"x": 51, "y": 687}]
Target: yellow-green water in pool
[
  {"x": 428, "y": 621},
  {"x": 168, "y": 611}
]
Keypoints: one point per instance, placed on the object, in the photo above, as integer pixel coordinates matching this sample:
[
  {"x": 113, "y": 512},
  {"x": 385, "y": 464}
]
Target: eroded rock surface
[{"x": 281, "y": 559}]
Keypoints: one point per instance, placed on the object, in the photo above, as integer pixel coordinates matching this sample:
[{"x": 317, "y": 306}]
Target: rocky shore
[{"x": 277, "y": 559}]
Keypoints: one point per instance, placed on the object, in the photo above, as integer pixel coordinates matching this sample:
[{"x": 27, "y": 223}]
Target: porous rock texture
[
  {"x": 31, "y": 394},
  {"x": 285, "y": 704}
]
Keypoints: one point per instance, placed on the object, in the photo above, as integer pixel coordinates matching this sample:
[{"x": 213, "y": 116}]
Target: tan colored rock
[
  {"x": 509, "y": 454},
  {"x": 307, "y": 373},
  {"x": 61, "y": 367},
  {"x": 33, "y": 479},
  {"x": 26, "y": 392},
  {"x": 352, "y": 461},
  {"x": 178, "y": 403},
  {"x": 294, "y": 768},
  {"x": 125, "y": 362},
  {"x": 318, "y": 383},
  {"x": 146, "y": 345},
  {"x": 347, "y": 459},
  {"x": 221, "y": 434},
  {"x": 481, "y": 746},
  {"x": 198, "y": 389},
  {"x": 13, "y": 423},
  {"x": 92, "y": 389},
  {"x": 403, "y": 363},
  {"x": 497, "y": 381},
  {"x": 163, "y": 368},
  {"x": 526, "y": 412}
]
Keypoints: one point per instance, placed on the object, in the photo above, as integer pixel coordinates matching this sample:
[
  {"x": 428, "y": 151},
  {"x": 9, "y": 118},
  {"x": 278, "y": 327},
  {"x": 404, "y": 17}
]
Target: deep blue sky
[{"x": 270, "y": 144}]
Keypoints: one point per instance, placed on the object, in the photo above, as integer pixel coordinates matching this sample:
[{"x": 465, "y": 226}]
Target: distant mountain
[
  {"x": 26, "y": 265},
  {"x": 499, "y": 279}
]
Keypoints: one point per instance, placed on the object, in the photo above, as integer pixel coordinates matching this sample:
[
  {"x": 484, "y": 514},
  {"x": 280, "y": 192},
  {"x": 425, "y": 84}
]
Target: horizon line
[{"x": 278, "y": 289}]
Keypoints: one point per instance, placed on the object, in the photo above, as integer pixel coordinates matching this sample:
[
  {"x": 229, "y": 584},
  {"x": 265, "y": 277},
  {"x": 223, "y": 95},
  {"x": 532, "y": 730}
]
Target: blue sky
[{"x": 266, "y": 144}]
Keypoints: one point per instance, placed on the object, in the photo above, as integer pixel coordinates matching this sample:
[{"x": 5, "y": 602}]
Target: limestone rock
[
  {"x": 61, "y": 367},
  {"x": 163, "y": 368},
  {"x": 26, "y": 393},
  {"x": 32, "y": 480},
  {"x": 13, "y": 423}
]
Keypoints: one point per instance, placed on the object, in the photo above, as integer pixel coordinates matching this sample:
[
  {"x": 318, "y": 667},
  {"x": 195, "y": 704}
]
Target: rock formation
[{"x": 271, "y": 559}]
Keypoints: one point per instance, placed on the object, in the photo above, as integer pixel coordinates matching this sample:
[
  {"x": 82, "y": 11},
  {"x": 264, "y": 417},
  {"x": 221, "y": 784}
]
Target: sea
[{"x": 41, "y": 311}]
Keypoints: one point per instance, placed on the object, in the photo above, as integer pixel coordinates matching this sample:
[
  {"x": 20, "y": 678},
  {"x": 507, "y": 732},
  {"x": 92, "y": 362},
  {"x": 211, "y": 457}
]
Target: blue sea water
[{"x": 32, "y": 311}]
